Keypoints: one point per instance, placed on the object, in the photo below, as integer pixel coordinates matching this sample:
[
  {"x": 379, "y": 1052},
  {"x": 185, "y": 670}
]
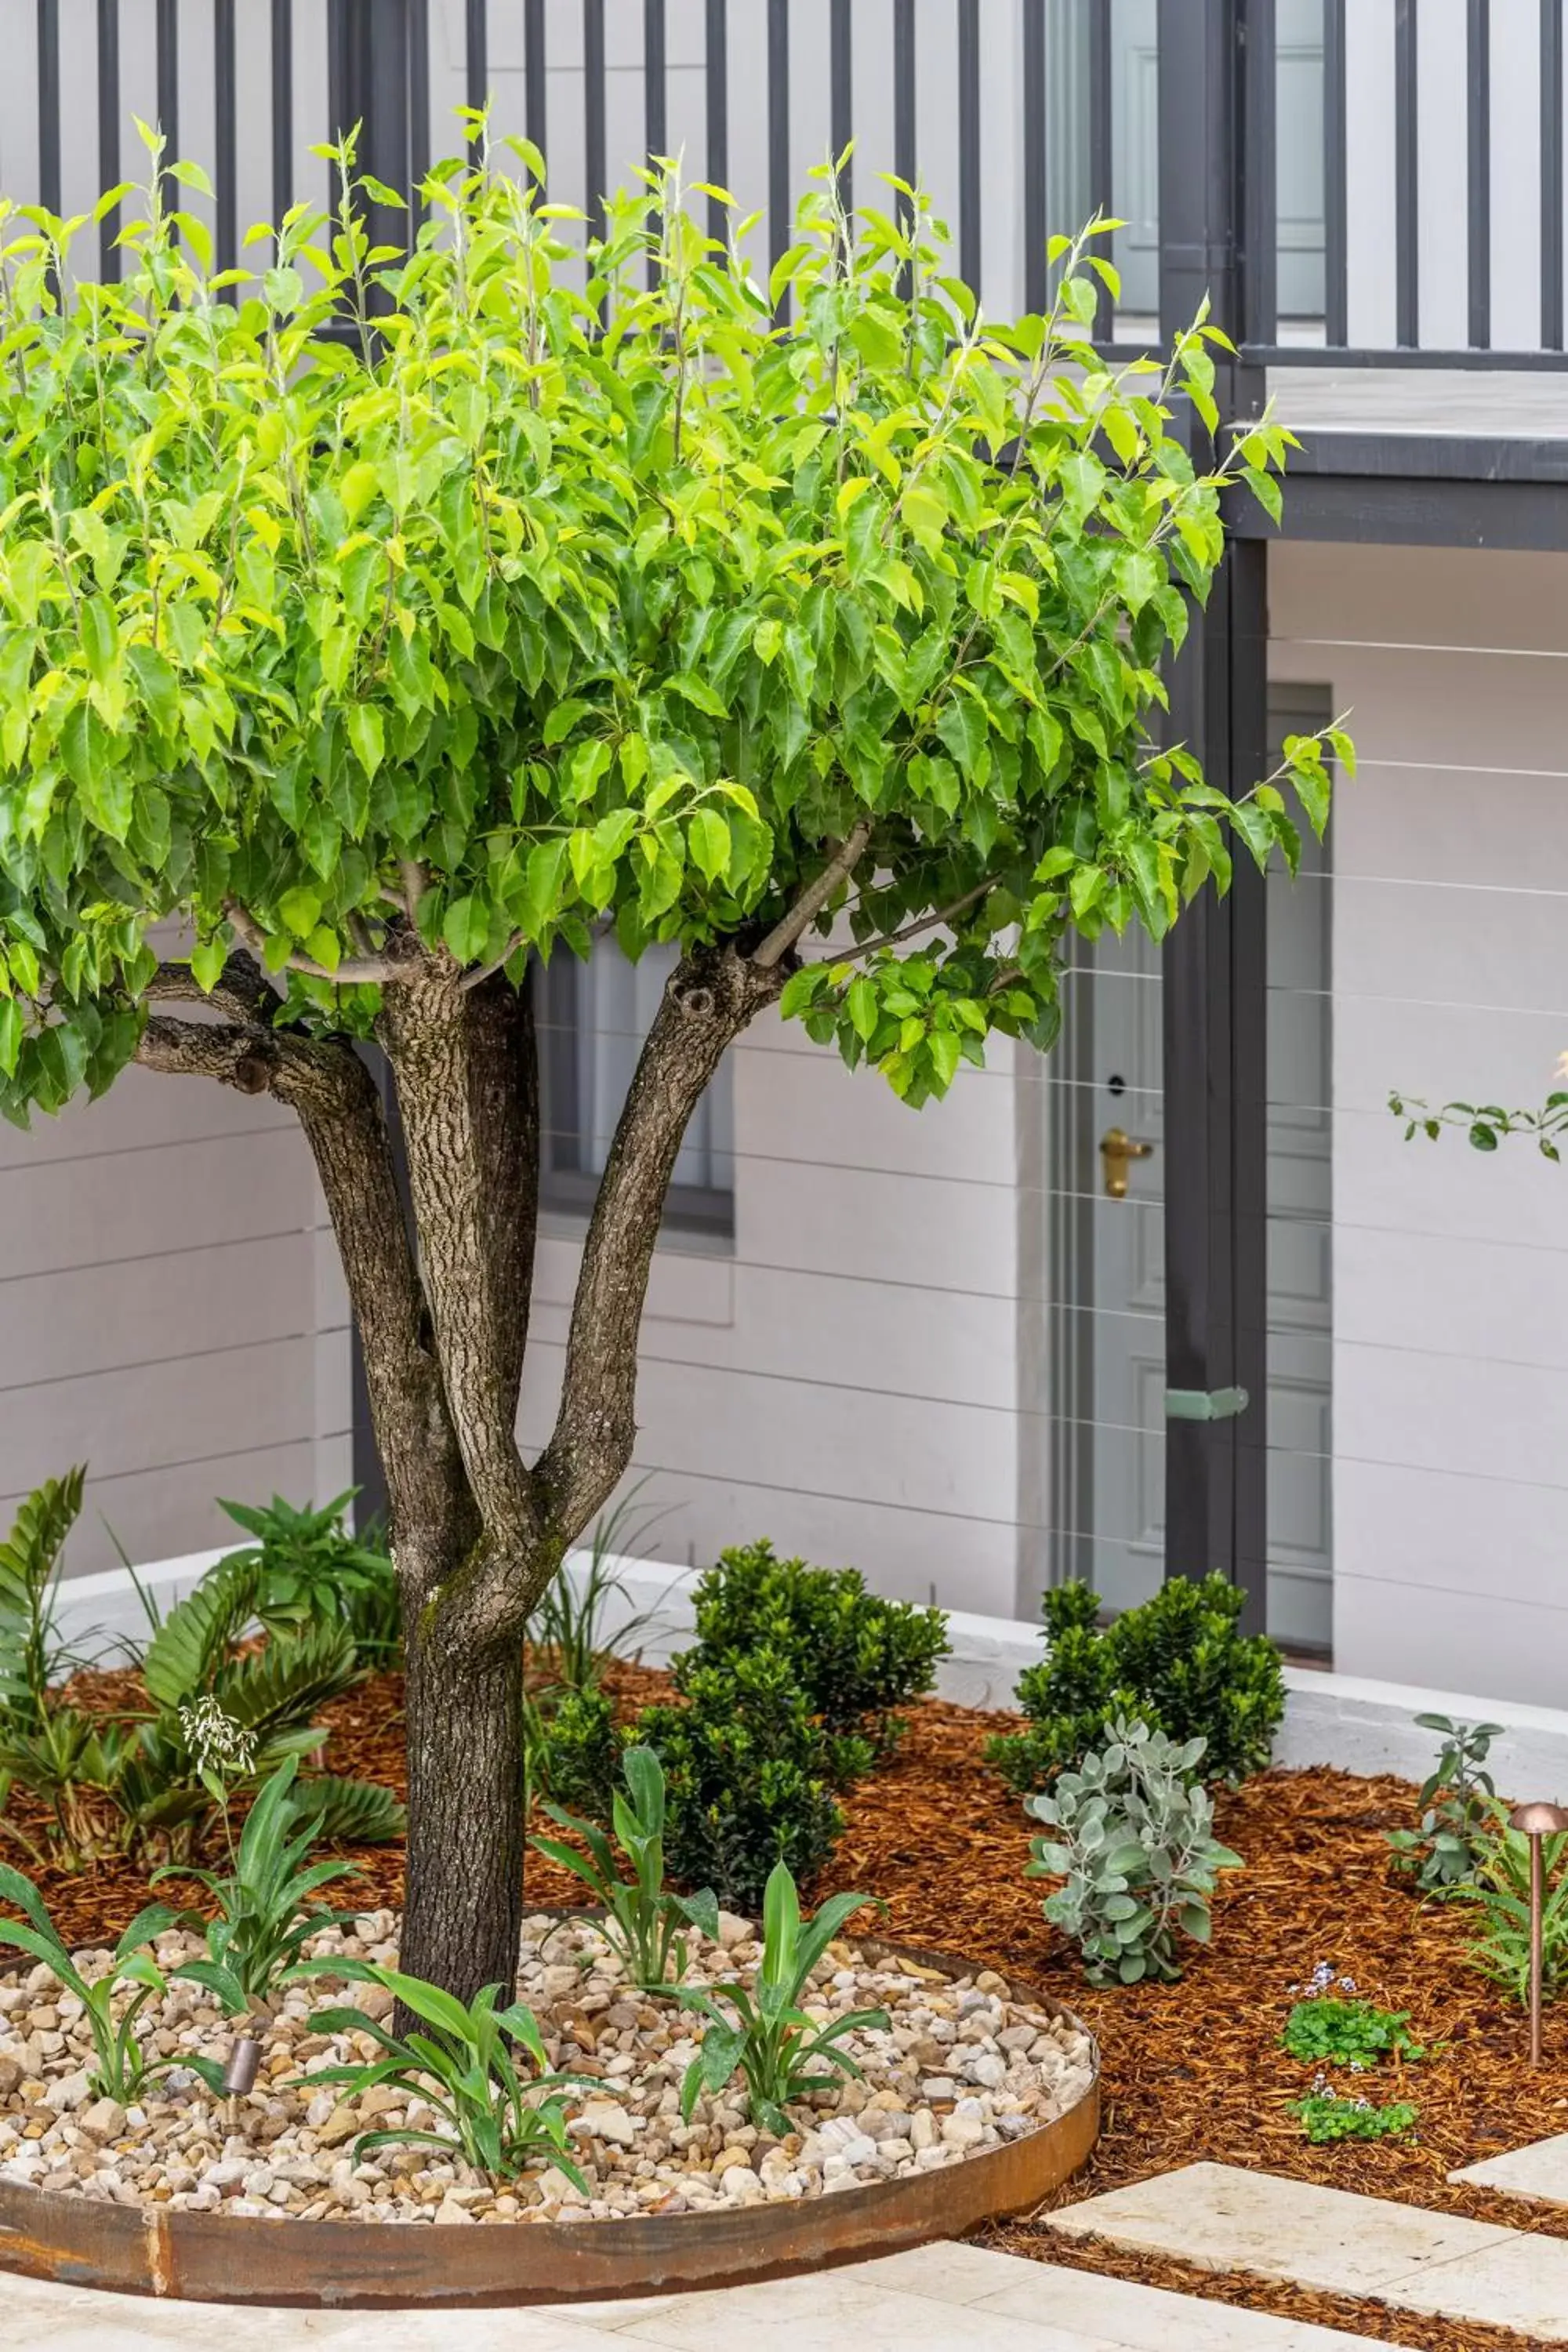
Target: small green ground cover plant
[
  {"x": 461, "y": 2059},
  {"x": 763, "y": 2032},
  {"x": 1327, "y": 2115},
  {"x": 1179, "y": 1663},
  {"x": 1131, "y": 1835},
  {"x": 1452, "y": 1802},
  {"x": 1326, "y": 2029},
  {"x": 644, "y": 1922},
  {"x": 787, "y": 1698}
]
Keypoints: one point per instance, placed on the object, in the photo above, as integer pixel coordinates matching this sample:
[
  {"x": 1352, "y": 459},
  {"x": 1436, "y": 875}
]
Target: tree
[{"x": 393, "y": 620}]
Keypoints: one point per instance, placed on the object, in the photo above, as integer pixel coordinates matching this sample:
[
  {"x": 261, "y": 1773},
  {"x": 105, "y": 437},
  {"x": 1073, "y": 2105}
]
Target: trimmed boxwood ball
[
  {"x": 1179, "y": 1661},
  {"x": 858, "y": 1657},
  {"x": 785, "y": 1699}
]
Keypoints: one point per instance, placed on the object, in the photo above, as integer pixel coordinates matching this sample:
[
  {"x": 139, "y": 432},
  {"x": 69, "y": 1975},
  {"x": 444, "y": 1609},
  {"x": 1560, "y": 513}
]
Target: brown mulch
[{"x": 1191, "y": 2070}]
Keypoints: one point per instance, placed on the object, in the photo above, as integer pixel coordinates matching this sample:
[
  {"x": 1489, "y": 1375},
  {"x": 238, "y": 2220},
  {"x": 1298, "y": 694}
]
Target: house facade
[{"x": 1002, "y": 1342}]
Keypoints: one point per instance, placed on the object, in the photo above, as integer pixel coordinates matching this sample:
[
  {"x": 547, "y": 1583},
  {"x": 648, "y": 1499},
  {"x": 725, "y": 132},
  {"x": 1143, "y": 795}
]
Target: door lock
[{"x": 1117, "y": 1149}]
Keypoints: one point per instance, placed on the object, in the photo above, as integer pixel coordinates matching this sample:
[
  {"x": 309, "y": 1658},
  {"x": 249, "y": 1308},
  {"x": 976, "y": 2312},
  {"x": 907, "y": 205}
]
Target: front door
[{"x": 1107, "y": 1414}]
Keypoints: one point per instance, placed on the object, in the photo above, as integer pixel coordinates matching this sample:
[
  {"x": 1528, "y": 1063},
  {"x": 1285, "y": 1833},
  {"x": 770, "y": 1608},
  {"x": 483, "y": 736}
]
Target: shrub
[
  {"x": 309, "y": 1574},
  {"x": 1133, "y": 1842},
  {"x": 750, "y": 1773},
  {"x": 1452, "y": 1807},
  {"x": 763, "y": 2033},
  {"x": 858, "y": 1657},
  {"x": 1179, "y": 1661}
]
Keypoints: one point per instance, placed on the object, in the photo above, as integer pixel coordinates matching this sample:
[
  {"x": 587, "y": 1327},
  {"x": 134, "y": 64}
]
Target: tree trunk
[{"x": 463, "y": 1907}]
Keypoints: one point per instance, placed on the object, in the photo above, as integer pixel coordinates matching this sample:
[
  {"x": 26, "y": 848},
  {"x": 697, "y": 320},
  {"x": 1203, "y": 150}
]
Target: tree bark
[{"x": 463, "y": 1901}]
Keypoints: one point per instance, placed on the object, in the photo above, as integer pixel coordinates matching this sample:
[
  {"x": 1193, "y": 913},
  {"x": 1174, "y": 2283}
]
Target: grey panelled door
[{"x": 1108, "y": 1419}]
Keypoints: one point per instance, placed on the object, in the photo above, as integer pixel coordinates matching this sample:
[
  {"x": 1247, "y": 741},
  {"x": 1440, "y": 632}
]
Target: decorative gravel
[{"x": 962, "y": 2068}]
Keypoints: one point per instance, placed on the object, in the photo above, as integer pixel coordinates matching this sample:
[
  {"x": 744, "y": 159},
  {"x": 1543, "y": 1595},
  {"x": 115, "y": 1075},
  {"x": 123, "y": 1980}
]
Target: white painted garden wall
[{"x": 1450, "y": 957}]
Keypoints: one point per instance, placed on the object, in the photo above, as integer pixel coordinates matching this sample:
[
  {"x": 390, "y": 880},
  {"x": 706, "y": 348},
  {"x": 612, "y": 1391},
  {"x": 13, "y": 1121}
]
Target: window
[{"x": 593, "y": 1017}]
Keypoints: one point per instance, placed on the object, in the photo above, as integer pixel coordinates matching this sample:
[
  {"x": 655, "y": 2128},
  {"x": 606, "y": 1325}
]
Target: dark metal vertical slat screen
[
  {"x": 1101, "y": 140},
  {"x": 716, "y": 93},
  {"x": 225, "y": 134},
  {"x": 109, "y": 129},
  {"x": 1336, "y": 287},
  {"x": 536, "y": 85},
  {"x": 1551, "y": 175},
  {"x": 167, "y": 39},
  {"x": 778, "y": 130},
  {"x": 476, "y": 54},
  {"x": 594, "y": 111},
  {"x": 969, "y": 185},
  {"x": 841, "y": 91},
  {"x": 1037, "y": 282},
  {"x": 1406, "y": 178},
  {"x": 282, "y": 108},
  {"x": 656, "y": 96},
  {"x": 906, "y": 159},
  {"x": 49, "y": 103},
  {"x": 1259, "y": 173},
  {"x": 1479, "y": 171}
]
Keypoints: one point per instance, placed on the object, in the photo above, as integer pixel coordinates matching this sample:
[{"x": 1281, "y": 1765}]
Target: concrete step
[{"x": 1346, "y": 2244}]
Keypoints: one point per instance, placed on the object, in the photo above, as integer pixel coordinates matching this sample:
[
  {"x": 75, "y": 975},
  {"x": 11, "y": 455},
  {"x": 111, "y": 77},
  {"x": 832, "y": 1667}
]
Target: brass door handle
[{"x": 1117, "y": 1148}]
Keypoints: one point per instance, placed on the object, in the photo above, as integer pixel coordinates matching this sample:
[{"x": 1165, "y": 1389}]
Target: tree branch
[
  {"x": 354, "y": 971},
  {"x": 455, "y": 1058},
  {"x": 912, "y": 930},
  {"x": 813, "y": 898},
  {"x": 335, "y": 1098},
  {"x": 709, "y": 998},
  {"x": 241, "y": 990}
]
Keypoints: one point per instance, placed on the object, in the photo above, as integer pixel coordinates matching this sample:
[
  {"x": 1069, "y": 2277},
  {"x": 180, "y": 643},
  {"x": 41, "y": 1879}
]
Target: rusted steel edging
[{"x": 207, "y": 2258}]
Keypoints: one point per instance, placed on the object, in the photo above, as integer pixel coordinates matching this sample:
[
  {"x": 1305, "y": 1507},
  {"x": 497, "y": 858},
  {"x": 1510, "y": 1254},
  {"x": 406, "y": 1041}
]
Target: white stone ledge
[{"x": 1341, "y": 1719}]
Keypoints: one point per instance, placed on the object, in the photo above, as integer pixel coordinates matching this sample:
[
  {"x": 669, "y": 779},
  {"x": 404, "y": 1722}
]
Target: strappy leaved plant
[
  {"x": 122, "y": 2067},
  {"x": 762, "y": 2031},
  {"x": 504, "y": 2120},
  {"x": 643, "y": 1919}
]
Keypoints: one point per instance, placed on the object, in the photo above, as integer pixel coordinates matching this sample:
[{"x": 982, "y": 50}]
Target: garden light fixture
[
  {"x": 239, "y": 2075},
  {"x": 1536, "y": 1821}
]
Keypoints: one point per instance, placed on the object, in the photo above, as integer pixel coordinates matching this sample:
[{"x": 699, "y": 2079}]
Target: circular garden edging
[{"x": 210, "y": 2258}]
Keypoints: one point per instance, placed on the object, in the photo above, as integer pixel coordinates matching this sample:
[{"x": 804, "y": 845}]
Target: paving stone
[
  {"x": 1540, "y": 2170},
  {"x": 1401, "y": 2255}
]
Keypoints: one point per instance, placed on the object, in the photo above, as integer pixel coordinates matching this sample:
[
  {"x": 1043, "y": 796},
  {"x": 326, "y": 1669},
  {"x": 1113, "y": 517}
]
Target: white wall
[
  {"x": 844, "y": 1380},
  {"x": 1450, "y": 953},
  {"x": 170, "y": 1312}
]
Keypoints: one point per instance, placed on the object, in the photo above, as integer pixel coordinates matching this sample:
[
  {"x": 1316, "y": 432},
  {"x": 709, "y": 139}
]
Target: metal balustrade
[{"x": 1399, "y": 167}]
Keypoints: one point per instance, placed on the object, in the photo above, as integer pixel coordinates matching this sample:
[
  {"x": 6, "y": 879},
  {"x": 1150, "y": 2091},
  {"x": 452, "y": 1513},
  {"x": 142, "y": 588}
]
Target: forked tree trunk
[{"x": 463, "y": 1905}]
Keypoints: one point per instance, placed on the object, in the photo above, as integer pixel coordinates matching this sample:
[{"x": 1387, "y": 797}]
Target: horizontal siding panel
[
  {"x": 164, "y": 1513},
  {"x": 149, "y": 1202},
  {"x": 179, "y": 1411},
  {"x": 146, "y": 1311},
  {"x": 142, "y": 1109}
]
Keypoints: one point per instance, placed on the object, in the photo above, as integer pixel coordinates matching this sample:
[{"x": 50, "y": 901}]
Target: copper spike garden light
[{"x": 1536, "y": 1821}]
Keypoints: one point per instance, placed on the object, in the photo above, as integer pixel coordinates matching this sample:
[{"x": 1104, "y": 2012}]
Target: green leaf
[
  {"x": 367, "y": 733},
  {"x": 466, "y": 927},
  {"x": 708, "y": 842}
]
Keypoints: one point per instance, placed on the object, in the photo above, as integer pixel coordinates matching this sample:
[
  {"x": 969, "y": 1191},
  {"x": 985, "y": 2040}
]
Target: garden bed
[{"x": 1192, "y": 2070}]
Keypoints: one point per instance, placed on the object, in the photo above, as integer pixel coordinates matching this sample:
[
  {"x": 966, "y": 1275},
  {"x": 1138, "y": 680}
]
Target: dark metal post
[
  {"x": 1551, "y": 175},
  {"x": 1215, "y": 1004}
]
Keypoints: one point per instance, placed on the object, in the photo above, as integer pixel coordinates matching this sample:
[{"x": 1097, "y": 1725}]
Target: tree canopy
[{"x": 471, "y": 597}]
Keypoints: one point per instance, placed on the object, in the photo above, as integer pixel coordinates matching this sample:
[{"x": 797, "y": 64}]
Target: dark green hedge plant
[
  {"x": 858, "y": 1657},
  {"x": 1180, "y": 1661}
]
